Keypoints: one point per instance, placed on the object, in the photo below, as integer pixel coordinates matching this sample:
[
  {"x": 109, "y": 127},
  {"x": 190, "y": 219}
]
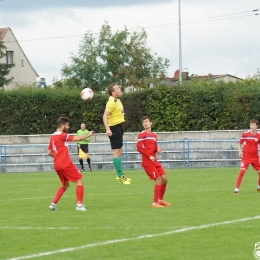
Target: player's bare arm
[
  {"x": 152, "y": 158},
  {"x": 159, "y": 150},
  {"x": 78, "y": 138},
  {"x": 50, "y": 152},
  {"x": 240, "y": 152},
  {"x": 105, "y": 121}
]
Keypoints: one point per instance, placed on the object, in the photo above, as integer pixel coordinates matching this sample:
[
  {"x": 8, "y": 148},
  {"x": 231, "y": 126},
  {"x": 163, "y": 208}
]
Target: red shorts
[
  {"x": 154, "y": 171},
  {"x": 70, "y": 173},
  {"x": 245, "y": 163}
]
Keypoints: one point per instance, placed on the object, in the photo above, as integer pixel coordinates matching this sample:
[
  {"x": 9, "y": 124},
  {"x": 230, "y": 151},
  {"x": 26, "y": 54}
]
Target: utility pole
[{"x": 180, "y": 51}]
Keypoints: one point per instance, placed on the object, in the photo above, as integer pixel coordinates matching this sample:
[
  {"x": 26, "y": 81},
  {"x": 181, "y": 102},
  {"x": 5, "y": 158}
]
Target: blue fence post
[
  {"x": 5, "y": 157},
  {"x": 184, "y": 151}
]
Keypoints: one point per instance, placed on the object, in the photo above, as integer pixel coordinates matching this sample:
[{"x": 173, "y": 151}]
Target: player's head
[
  {"x": 63, "y": 124},
  {"x": 83, "y": 126},
  {"x": 114, "y": 90},
  {"x": 147, "y": 122},
  {"x": 252, "y": 121},
  {"x": 253, "y": 124}
]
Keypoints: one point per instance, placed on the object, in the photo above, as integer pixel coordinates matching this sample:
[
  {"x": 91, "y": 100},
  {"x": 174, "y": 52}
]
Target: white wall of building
[{"x": 23, "y": 72}]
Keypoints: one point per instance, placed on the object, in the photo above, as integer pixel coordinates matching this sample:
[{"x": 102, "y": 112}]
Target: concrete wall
[
  {"x": 205, "y": 149},
  {"x": 130, "y": 137},
  {"x": 175, "y": 154}
]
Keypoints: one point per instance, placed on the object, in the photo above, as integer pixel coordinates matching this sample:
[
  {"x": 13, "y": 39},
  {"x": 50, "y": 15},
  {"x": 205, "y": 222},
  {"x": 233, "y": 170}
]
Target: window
[
  {"x": 9, "y": 57},
  {"x": 22, "y": 63}
]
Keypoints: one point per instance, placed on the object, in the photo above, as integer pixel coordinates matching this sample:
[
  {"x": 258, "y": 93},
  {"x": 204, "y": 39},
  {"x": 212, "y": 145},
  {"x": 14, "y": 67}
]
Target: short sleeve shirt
[
  {"x": 84, "y": 132},
  {"x": 116, "y": 109},
  {"x": 250, "y": 142},
  {"x": 59, "y": 145}
]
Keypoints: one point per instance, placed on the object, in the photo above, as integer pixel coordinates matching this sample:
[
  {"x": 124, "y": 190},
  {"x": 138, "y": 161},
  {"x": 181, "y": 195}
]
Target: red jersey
[
  {"x": 59, "y": 145},
  {"x": 147, "y": 146},
  {"x": 250, "y": 141}
]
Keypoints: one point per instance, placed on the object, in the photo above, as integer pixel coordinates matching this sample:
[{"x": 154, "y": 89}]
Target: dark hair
[
  {"x": 62, "y": 121},
  {"x": 146, "y": 117},
  {"x": 254, "y": 121},
  {"x": 110, "y": 88}
]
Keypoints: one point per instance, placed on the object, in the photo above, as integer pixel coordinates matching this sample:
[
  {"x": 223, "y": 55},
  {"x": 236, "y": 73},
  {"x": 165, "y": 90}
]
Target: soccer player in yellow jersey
[{"x": 113, "y": 118}]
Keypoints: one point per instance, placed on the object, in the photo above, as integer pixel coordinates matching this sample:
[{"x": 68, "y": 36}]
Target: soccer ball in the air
[{"x": 87, "y": 94}]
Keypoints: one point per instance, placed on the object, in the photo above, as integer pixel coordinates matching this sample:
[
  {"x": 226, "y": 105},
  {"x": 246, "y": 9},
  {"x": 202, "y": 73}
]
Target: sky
[{"x": 217, "y": 37}]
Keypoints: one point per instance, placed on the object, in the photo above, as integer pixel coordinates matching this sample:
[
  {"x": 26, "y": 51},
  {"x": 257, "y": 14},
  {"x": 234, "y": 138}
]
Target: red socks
[
  {"x": 79, "y": 193},
  {"x": 240, "y": 177},
  {"x": 58, "y": 195},
  {"x": 163, "y": 188},
  {"x": 156, "y": 192}
]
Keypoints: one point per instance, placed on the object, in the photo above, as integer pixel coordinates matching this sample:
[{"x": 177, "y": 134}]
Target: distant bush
[{"x": 197, "y": 105}]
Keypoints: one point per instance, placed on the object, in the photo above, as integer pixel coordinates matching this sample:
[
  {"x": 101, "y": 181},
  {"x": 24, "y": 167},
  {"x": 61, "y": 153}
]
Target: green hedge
[{"x": 195, "y": 106}]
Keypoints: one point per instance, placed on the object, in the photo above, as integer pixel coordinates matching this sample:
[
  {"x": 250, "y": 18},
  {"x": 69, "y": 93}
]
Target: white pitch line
[
  {"x": 105, "y": 194},
  {"x": 59, "y": 228},
  {"x": 109, "y": 242},
  {"x": 67, "y": 196},
  {"x": 41, "y": 228},
  {"x": 32, "y": 198}
]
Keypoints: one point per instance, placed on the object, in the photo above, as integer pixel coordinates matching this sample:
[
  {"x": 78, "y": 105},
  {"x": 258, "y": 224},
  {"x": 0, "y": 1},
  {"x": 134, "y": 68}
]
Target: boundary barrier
[{"x": 184, "y": 153}]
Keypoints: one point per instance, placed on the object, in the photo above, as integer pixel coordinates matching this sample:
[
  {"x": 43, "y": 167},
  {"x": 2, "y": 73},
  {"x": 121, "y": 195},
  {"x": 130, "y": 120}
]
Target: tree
[
  {"x": 120, "y": 57},
  {"x": 4, "y": 67}
]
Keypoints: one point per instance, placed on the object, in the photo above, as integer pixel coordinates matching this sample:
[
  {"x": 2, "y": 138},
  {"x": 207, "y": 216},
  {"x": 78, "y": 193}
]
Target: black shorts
[
  {"x": 84, "y": 148},
  {"x": 116, "y": 139}
]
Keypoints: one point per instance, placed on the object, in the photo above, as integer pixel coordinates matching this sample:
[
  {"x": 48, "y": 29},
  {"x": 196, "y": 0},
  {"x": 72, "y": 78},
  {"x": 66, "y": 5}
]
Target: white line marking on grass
[
  {"x": 67, "y": 196},
  {"x": 41, "y": 228},
  {"x": 134, "y": 238},
  {"x": 59, "y": 228},
  {"x": 32, "y": 198},
  {"x": 55, "y": 228},
  {"x": 105, "y": 194}
]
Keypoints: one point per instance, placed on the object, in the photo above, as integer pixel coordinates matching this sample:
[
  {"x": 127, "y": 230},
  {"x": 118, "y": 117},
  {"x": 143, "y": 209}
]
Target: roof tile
[{"x": 3, "y": 32}]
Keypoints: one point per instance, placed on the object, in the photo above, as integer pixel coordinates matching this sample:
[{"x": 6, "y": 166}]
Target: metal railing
[{"x": 175, "y": 154}]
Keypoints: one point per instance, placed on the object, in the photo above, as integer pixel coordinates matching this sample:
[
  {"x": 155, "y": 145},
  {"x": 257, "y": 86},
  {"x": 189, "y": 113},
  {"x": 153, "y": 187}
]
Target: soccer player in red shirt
[
  {"x": 66, "y": 170},
  {"x": 147, "y": 146},
  {"x": 249, "y": 141}
]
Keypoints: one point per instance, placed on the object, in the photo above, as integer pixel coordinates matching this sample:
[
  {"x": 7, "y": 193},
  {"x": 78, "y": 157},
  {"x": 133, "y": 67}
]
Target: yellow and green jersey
[
  {"x": 83, "y": 132},
  {"x": 116, "y": 109}
]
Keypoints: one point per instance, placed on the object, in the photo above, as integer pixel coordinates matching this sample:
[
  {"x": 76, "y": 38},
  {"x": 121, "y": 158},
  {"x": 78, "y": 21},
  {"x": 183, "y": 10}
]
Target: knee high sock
[
  {"x": 79, "y": 193},
  {"x": 240, "y": 177},
  {"x": 81, "y": 163},
  {"x": 118, "y": 166},
  {"x": 58, "y": 194},
  {"x": 88, "y": 160},
  {"x": 258, "y": 178},
  {"x": 156, "y": 193},
  {"x": 163, "y": 189}
]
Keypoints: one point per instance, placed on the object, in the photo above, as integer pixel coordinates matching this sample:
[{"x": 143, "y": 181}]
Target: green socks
[{"x": 118, "y": 166}]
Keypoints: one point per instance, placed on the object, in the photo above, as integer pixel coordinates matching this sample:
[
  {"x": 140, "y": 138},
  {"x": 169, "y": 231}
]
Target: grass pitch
[{"x": 206, "y": 220}]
